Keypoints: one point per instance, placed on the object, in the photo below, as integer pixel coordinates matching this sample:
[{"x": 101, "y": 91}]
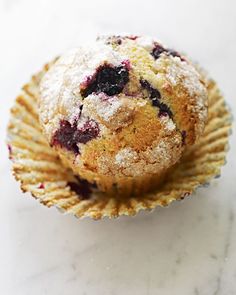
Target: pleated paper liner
[{"x": 40, "y": 171}]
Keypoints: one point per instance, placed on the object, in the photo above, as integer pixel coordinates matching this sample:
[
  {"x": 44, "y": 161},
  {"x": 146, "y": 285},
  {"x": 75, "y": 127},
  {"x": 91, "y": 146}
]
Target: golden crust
[
  {"x": 181, "y": 86},
  {"x": 131, "y": 128}
]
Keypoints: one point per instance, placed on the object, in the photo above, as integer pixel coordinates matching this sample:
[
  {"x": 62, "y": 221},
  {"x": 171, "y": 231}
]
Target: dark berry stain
[
  {"x": 153, "y": 93},
  {"x": 175, "y": 53},
  {"x": 164, "y": 110},
  {"x": 82, "y": 188},
  {"x": 41, "y": 186},
  {"x": 155, "y": 97},
  {"x": 107, "y": 79},
  {"x": 87, "y": 132},
  {"x": 9, "y": 151},
  {"x": 64, "y": 137},
  {"x": 80, "y": 110},
  {"x": 69, "y": 135},
  {"x": 118, "y": 39},
  {"x": 159, "y": 49},
  {"x": 183, "y": 134},
  {"x": 132, "y": 37},
  {"x": 126, "y": 64}
]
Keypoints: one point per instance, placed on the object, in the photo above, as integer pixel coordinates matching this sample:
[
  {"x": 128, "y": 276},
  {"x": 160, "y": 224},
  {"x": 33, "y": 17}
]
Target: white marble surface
[{"x": 189, "y": 248}]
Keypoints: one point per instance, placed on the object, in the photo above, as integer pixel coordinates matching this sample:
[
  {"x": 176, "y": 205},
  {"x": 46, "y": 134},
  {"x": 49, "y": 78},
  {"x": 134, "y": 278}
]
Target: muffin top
[{"x": 124, "y": 106}]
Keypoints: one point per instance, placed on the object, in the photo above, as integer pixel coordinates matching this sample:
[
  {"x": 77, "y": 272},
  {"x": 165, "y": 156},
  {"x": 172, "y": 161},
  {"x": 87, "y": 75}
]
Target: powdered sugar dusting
[
  {"x": 178, "y": 71},
  {"x": 126, "y": 157},
  {"x": 105, "y": 108},
  {"x": 168, "y": 124},
  {"x": 60, "y": 87},
  {"x": 50, "y": 87},
  {"x": 146, "y": 42},
  {"x": 159, "y": 156},
  {"x": 113, "y": 111}
]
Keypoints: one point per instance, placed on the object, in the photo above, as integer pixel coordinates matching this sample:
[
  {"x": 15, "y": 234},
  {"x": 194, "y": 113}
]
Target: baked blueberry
[
  {"x": 107, "y": 79},
  {"x": 68, "y": 135},
  {"x": 159, "y": 49},
  {"x": 82, "y": 187},
  {"x": 64, "y": 137},
  {"x": 155, "y": 97},
  {"x": 87, "y": 132}
]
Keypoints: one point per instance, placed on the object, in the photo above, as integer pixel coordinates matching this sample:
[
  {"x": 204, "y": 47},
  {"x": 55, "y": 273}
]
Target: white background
[{"x": 189, "y": 248}]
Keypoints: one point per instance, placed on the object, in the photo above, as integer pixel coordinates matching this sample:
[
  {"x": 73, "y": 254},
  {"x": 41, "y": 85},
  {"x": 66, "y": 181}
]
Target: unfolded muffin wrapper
[{"x": 38, "y": 168}]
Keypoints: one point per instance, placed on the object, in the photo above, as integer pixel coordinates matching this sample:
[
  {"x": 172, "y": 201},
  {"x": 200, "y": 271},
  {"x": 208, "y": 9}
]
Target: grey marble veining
[{"x": 188, "y": 248}]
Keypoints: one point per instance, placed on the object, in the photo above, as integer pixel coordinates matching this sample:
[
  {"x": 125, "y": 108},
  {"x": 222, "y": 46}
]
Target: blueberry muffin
[{"x": 122, "y": 111}]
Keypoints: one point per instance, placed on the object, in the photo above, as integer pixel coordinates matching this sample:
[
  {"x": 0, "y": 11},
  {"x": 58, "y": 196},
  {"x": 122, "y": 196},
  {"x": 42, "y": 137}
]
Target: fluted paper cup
[{"x": 40, "y": 171}]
